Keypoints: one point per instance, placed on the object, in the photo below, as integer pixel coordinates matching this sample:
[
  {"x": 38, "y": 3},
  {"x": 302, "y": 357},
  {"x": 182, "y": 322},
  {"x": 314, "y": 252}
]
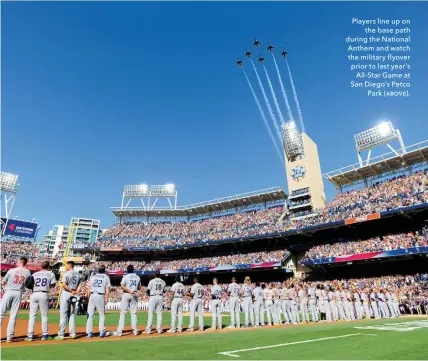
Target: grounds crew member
[
  {"x": 42, "y": 282},
  {"x": 14, "y": 284},
  {"x": 98, "y": 292}
]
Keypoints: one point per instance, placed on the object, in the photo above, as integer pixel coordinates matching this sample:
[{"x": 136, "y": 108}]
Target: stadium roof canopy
[
  {"x": 380, "y": 166},
  {"x": 216, "y": 205}
]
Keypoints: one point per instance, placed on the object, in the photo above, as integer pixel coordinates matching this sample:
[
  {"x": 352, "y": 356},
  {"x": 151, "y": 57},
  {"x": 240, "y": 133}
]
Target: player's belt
[
  {"x": 40, "y": 291},
  {"x": 177, "y": 297},
  {"x": 97, "y": 293},
  {"x": 246, "y": 296}
]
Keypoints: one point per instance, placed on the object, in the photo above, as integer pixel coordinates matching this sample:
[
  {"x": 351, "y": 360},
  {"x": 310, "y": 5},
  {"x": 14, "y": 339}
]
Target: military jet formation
[{"x": 260, "y": 60}]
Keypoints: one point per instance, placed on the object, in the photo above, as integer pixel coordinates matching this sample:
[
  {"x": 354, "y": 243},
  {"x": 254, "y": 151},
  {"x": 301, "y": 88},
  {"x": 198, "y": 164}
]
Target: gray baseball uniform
[
  {"x": 313, "y": 304},
  {"x": 373, "y": 303},
  {"x": 15, "y": 280},
  {"x": 276, "y": 306},
  {"x": 235, "y": 317},
  {"x": 177, "y": 305},
  {"x": 157, "y": 289},
  {"x": 285, "y": 305},
  {"x": 67, "y": 312},
  {"x": 357, "y": 305},
  {"x": 267, "y": 297},
  {"x": 133, "y": 283},
  {"x": 395, "y": 304},
  {"x": 390, "y": 304},
  {"x": 303, "y": 305},
  {"x": 365, "y": 300},
  {"x": 197, "y": 291},
  {"x": 333, "y": 307},
  {"x": 259, "y": 310},
  {"x": 293, "y": 306},
  {"x": 247, "y": 293},
  {"x": 98, "y": 286},
  {"x": 382, "y": 305},
  {"x": 43, "y": 281},
  {"x": 216, "y": 292}
]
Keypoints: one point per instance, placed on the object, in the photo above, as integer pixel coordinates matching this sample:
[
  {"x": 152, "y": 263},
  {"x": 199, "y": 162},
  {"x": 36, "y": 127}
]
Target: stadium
[{"x": 268, "y": 274}]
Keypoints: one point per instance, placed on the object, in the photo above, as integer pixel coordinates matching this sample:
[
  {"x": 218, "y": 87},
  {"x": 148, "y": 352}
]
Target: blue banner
[{"x": 15, "y": 228}]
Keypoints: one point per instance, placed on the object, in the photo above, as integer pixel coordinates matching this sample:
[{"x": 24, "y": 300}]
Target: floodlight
[
  {"x": 380, "y": 134},
  {"x": 139, "y": 190},
  {"x": 8, "y": 182},
  {"x": 170, "y": 187},
  {"x": 293, "y": 144}
]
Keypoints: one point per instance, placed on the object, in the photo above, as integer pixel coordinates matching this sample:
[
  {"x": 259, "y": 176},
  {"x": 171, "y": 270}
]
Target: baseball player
[
  {"x": 130, "y": 284},
  {"x": 247, "y": 302},
  {"x": 14, "y": 284},
  {"x": 71, "y": 285},
  {"x": 339, "y": 305},
  {"x": 295, "y": 319},
  {"x": 233, "y": 292},
  {"x": 395, "y": 304},
  {"x": 350, "y": 305},
  {"x": 43, "y": 281},
  {"x": 177, "y": 291},
  {"x": 373, "y": 303},
  {"x": 197, "y": 294},
  {"x": 389, "y": 303},
  {"x": 313, "y": 304},
  {"x": 156, "y": 290},
  {"x": 259, "y": 311},
  {"x": 285, "y": 304},
  {"x": 303, "y": 304},
  {"x": 267, "y": 296},
  {"x": 332, "y": 303},
  {"x": 216, "y": 293},
  {"x": 98, "y": 292},
  {"x": 324, "y": 295},
  {"x": 365, "y": 300},
  {"x": 382, "y": 304},
  {"x": 357, "y": 305},
  {"x": 276, "y": 310}
]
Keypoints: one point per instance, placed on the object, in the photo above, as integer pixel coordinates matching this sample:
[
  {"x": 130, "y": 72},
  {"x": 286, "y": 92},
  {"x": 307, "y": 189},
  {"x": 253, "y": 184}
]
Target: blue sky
[{"x": 98, "y": 95}]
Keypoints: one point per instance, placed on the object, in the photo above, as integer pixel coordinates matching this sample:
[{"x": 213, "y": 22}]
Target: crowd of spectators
[
  {"x": 386, "y": 195},
  {"x": 12, "y": 250},
  {"x": 385, "y": 243},
  {"x": 233, "y": 259}
]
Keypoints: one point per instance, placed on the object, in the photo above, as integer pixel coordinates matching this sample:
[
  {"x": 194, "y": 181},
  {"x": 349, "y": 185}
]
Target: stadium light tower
[
  {"x": 149, "y": 195},
  {"x": 383, "y": 133},
  {"x": 8, "y": 187}
]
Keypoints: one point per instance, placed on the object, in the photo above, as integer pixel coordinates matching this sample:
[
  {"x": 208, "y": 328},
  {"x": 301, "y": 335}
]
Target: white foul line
[{"x": 232, "y": 353}]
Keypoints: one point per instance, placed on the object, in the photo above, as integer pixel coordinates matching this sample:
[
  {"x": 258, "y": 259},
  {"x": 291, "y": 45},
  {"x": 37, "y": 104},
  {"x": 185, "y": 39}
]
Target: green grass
[{"x": 409, "y": 345}]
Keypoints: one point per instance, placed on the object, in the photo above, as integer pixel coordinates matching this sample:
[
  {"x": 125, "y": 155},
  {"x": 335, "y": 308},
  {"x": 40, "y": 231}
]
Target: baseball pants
[
  {"x": 38, "y": 300},
  {"x": 235, "y": 317},
  {"x": 341, "y": 310},
  {"x": 10, "y": 301},
  {"x": 327, "y": 311},
  {"x": 375, "y": 309},
  {"x": 269, "y": 311},
  {"x": 294, "y": 312},
  {"x": 216, "y": 314},
  {"x": 397, "y": 308},
  {"x": 334, "y": 311},
  {"x": 304, "y": 310},
  {"x": 384, "y": 309},
  {"x": 358, "y": 310},
  {"x": 155, "y": 305},
  {"x": 131, "y": 302},
  {"x": 366, "y": 309},
  {"x": 391, "y": 309},
  {"x": 248, "y": 310},
  {"x": 285, "y": 306},
  {"x": 196, "y": 306},
  {"x": 177, "y": 310},
  {"x": 313, "y": 310},
  {"x": 66, "y": 314},
  {"x": 96, "y": 303},
  {"x": 348, "y": 310},
  {"x": 259, "y": 313}
]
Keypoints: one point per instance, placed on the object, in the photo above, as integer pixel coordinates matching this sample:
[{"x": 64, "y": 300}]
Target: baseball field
[{"x": 404, "y": 338}]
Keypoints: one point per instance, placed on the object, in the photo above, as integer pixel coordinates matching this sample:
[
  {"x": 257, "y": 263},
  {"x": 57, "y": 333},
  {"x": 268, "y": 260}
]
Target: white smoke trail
[
  {"x": 284, "y": 94},
  {"x": 299, "y": 110},
  {"x": 272, "y": 115},
  {"x": 262, "y": 114},
  {"x": 275, "y": 99}
]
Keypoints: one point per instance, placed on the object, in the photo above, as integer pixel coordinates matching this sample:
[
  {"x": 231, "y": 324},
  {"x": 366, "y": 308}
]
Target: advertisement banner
[
  {"x": 16, "y": 228},
  {"x": 112, "y": 249},
  {"x": 368, "y": 217}
]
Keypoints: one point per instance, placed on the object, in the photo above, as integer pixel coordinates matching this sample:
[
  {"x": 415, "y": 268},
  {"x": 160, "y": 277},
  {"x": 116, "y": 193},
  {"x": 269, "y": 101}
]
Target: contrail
[
  {"x": 262, "y": 114},
  {"x": 295, "y": 98},
  {"x": 272, "y": 115},
  {"x": 275, "y": 100},
  {"x": 284, "y": 94}
]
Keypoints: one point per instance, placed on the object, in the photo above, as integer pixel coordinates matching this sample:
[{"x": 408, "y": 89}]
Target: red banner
[
  {"x": 368, "y": 217},
  {"x": 113, "y": 249}
]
